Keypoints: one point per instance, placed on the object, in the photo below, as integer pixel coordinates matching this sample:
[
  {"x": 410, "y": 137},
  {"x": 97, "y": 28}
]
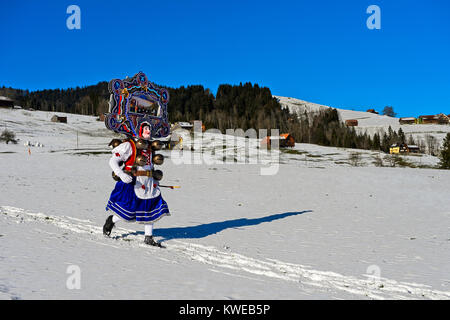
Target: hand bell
[
  {"x": 114, "y": 143},
  {"x": 157, "y": 174},
  {"x": 141, "y": 144},
  {"x": 158, "y": 159},
  {"x": 156, "y": 145},
  {"x": 140, "y": 160}
]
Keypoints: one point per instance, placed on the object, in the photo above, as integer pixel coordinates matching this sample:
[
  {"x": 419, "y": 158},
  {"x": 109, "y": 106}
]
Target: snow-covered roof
[
  {"x": 429, "y": 117},
  {"x": 276, "y": 137},
  {"x": 185, "y": 124},
  {"x": 5, "y": 98}
]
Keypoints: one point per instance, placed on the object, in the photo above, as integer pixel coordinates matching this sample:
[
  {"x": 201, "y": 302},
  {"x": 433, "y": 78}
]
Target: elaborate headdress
[{"x": 137, "y": 101}]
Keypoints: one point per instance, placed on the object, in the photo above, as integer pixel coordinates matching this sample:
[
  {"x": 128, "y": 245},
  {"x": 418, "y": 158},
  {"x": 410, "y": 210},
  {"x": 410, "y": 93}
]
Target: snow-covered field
[{"x": 318, "y": 228}]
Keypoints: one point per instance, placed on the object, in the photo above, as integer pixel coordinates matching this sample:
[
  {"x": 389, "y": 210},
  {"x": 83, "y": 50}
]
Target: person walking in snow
[{"x": 136, "y": 196}]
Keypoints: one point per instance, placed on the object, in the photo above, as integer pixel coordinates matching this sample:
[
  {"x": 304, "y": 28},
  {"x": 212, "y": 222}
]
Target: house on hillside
[
  {"x": 372, "y": 111},
  {"x": 434, "y": 119},
  {"x": 403, "y": 148},
  {"x": 413, "y": 148},
  {"x": 56, "y": 118},
  {"x": 407, "y": 120},
  {"x": 184, "y": 125},
  {"x": 284, "y": 140},
  {"x": 351, "y": 123},
  {"x": 444, "y": 118},
  {"x": 427, "y": 119},
  {"x": 178, "y": 134},
  {"x": 6, "y": 102}
]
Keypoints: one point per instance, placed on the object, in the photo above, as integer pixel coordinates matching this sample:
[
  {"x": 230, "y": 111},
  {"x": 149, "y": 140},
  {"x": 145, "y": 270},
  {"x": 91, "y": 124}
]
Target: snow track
[{"x": 306, "y": 277}]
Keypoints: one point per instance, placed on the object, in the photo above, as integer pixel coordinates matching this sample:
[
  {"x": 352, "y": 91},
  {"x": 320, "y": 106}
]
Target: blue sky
[{"x": 319, "y": 51}]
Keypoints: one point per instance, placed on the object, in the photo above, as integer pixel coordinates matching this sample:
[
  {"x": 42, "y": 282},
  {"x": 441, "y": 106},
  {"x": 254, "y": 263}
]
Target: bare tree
[
  {"x": 432, "y": 144},
  {"x": 392, "y": 159},
  {"x": 8, "y": 136},
  {"x": 355, "y": 159},
  {"x": 378, "y": 161}
]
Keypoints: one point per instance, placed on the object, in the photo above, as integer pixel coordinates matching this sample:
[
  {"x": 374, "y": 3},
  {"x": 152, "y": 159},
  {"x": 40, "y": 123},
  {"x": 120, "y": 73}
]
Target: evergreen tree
[
  {"x": 401, "y": 136},
  {"x": 376, "y": 142},
  {"x": 444, "y": 155},
  {"x": 389, "y": 111}
]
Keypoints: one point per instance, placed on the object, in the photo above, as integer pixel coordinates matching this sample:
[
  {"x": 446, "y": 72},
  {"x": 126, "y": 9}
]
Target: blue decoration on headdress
[{"x": 135, "y": 101}]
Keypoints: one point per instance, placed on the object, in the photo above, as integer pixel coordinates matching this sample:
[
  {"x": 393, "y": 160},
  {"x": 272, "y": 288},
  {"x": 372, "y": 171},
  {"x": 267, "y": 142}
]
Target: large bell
[
  {"x": 158, "y": 159},
  {"x": 140, "y": 160},
  {"x": 141, "y": 144},
  {"x": 114, "y": 143},
  {"x": 156, "y": 145},
  {"x": 157, "y": 174},
  {"x": 115, "y": 177}
]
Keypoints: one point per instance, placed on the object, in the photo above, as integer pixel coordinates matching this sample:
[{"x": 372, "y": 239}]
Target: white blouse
[{"x": 145, "y": 187}]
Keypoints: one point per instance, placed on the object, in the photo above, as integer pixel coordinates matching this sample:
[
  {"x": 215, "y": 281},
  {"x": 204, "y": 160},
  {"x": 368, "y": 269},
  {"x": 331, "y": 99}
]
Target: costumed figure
[{"x": 136, "y": 196}]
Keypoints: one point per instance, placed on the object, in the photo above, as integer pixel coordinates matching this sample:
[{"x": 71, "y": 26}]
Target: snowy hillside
[
  {"x": 318, "y": 227},
  {"x": 370, "y": 122}
]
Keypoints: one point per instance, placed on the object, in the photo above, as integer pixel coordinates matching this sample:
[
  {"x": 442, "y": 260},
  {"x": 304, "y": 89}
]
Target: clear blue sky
[{"x": 320, "y": 51}]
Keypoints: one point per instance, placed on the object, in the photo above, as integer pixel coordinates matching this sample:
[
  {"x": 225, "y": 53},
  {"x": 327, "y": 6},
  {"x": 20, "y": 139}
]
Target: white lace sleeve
[{"x": 123, "y": 151}]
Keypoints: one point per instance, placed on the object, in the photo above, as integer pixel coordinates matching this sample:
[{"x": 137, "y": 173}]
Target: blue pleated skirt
[{"x": 125, "y": 204}]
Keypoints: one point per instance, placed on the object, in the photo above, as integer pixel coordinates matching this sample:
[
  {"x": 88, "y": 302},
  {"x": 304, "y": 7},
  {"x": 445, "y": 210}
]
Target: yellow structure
[{"x": 394, "y": 150}]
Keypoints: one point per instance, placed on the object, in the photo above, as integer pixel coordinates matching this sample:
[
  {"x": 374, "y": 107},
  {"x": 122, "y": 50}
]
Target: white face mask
[{"x": 146, "y": 132}]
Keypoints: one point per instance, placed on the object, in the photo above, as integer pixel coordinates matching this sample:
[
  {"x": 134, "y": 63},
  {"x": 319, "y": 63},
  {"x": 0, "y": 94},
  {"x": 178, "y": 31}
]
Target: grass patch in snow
[
  {"x": 293, "y": 151},
  {"x": 355, "y": 159},
  {"x": 399, "y": 161},
  {"x": 90, "y": 153},
  {"x": 314, "y": 155},
  {"x": 341, "y": 162},
  {"x": 426, "y": 166}
]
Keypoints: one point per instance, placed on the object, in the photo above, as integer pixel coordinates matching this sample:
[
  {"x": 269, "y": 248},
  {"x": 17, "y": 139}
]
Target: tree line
[
  {"x": 245, "y": 106},
  {"x": 325, "y": 128}
]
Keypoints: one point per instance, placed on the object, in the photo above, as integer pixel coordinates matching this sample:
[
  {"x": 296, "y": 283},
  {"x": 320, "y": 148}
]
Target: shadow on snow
[{"x": 207, "y": 229}]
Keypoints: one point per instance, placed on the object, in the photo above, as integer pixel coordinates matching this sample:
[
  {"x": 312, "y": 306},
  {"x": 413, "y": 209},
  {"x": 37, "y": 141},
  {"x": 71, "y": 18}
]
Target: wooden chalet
[
  {"x": 185, "y": 125},
  {"x": 434, "y": 119},
  {"x": 285, "y": 140},
  {"x": 6, "y": 102},
  {"x": 413, "y": 148},
  {"x": 403, "y": 148},
  {"x": 351, "y": 122},
  {"x": 407, "y": 120},
  {"x": 56, "y": 118},
  {"x": 445, "y": 118}
]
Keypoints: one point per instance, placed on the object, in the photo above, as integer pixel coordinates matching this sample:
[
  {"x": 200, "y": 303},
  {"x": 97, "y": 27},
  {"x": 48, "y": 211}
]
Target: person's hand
[{"x": 125, "y": 177}]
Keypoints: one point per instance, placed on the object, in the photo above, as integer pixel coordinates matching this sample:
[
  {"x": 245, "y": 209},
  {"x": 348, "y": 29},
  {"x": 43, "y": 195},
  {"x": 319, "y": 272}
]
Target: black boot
[
  {"x": 107, "y": 227},
  {"x": 150, "y": 241}
]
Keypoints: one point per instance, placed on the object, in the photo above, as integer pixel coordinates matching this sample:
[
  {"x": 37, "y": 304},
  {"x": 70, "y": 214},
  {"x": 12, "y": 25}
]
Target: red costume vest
[{"x": 136, "y": 152}]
